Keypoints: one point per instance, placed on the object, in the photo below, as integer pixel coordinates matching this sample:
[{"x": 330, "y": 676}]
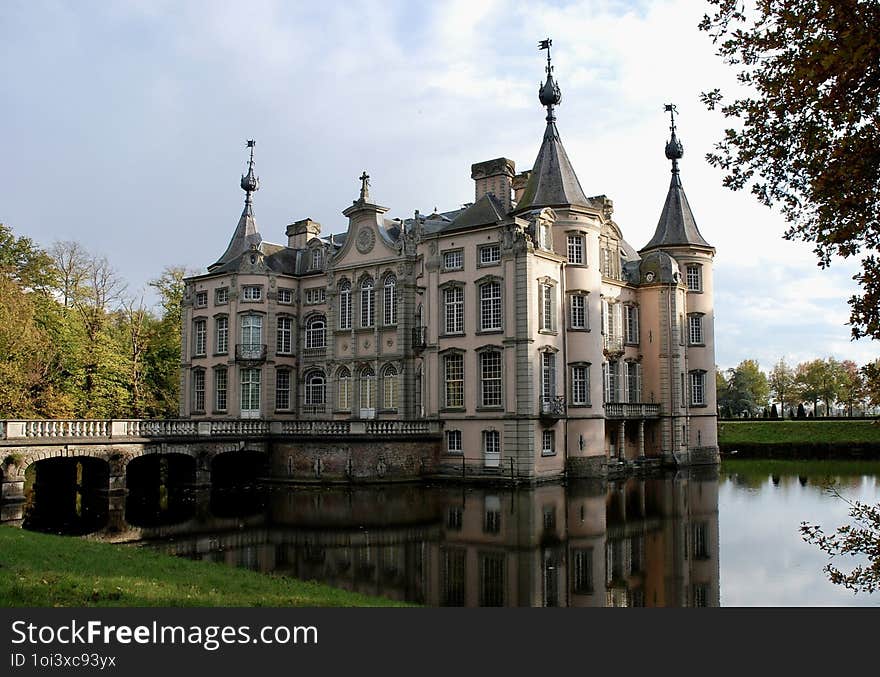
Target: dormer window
[
  {"x": 317, "y": 259},
  {"x": 544, "y": 240}
]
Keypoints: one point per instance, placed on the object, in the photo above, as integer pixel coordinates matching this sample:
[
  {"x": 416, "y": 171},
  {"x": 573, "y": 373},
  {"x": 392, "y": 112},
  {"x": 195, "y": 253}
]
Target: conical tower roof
[
  {"x": 246, "y": 235},
  {"x": 552, "y": 182},
  {"x": 677, "y": 226}
]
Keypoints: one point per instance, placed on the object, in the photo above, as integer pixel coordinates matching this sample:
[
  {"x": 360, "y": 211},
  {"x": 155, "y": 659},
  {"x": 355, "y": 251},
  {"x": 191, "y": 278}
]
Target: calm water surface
[{"x": 688, "y": 539}]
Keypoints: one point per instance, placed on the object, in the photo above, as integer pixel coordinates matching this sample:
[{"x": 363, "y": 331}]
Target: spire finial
[
  {"x": 549, "y": 94},
  {"x": 674, "y": 149},
  {"x": 249, "y": 182},
  {"x": 365, "y": 187}
]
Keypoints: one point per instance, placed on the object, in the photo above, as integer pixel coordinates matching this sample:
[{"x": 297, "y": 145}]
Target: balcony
[
  {"x": 613, "y": 345},
  {"x": 625, "y": 410},
  {"x": 553, "y": 408},
  {"x": 317, "y": 352},
  {"x": 419, "y": 338},
  {"x": 250, "y": 353}
]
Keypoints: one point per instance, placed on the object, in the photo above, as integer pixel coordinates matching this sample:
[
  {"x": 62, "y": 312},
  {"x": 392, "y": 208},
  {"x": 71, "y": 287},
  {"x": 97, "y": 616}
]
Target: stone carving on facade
[{"x": 366, "y": 239}]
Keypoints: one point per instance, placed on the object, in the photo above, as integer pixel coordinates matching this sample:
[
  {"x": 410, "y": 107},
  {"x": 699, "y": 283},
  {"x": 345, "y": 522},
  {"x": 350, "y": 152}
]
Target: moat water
[{"x": 728, "y": 537}]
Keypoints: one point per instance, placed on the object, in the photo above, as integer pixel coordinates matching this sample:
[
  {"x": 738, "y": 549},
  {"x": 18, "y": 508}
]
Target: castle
[{"x": 540, "y": 342}]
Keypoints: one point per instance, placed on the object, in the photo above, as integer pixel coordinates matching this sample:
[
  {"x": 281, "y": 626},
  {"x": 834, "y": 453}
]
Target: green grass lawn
[
  {"x": 798, "y": 432},
  {"x": 815, "y": 469},
  {"x": 43, "y": 570}
]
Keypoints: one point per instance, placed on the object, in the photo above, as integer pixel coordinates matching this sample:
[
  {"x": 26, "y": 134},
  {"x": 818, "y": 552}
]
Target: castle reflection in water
[{"x": 637, "y": 542}]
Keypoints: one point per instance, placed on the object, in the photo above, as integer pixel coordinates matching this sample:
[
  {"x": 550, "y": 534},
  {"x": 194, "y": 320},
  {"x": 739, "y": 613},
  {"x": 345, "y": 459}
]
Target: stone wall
[{"x": 353, "y": 459}]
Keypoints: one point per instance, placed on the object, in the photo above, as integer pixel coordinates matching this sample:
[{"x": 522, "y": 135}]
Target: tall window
[
  {"x": 453, "y": 441},
  {"x": 390, "y": 300},
  {"x": 198, "y": 391},
  {"x": 368, "y": 298},
  {"x": 250, "y": 390},
  {"x": 490, "y": 379},
  {"x": 417, "y": 395},
  {"x": 492, "y": 441},
  {"x": 220, "y": 385},
  {"x": 200, "y": 337},
  {"x": 544, "y": 240},
  {"x": 633, "y": 382},
  {"x": 695, "y": 277},
  {"x": 490, "y": 306},
  {"x": 283, "y": 338},
  {"x": 695, "y": 329},
  {"x": 315, "y": 387},
  {"x": 578, "y": 311},
  {"x": 580, "y": 384},
  {"x": 548, "y": 443},
  {"x": 389, "y": 388},
  {"x": 632, "y": 324},
  {"x": 576, "y": 249},
  {"x": 610, "y": 381},
  {"x": 546, "y": 306},
  {"x": 453, "y": 367},
  {"x": 317, "y": 258},
  {"x": 698, "y": 388},
  {"x": 282, "y": 389},
  {"x": 251, "y": 332},
  {"x": 221, "y": 335},
  {"x": 316, "y": 335},
  {"x": 548, "y": 376},
  {"x": 453, "y": 308},
  {"x": 368, "y": 388},
  {"x": 343, "y": 389},
  {"x": 345, "y": 305}
]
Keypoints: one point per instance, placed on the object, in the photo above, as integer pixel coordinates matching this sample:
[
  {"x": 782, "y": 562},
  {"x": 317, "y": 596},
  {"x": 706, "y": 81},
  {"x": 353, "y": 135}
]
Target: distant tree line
[
  {"x": 813, "y": 388},
  {"x": 74, "y": 343}
]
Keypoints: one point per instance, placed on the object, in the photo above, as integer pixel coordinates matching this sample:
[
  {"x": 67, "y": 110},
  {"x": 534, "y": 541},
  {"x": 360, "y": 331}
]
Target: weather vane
[
  {"x": 672, "y": 110},
  {"x": 545, "y": 44}
]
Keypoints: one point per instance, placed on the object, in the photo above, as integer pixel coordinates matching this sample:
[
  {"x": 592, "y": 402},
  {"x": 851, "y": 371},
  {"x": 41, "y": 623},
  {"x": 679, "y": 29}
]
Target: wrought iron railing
[
  {"x": 612, "y": 343},
  {"x": 553, "y": 407},
  {"x": 419, "y": 338},
  {"x": 250, "y": 352}
]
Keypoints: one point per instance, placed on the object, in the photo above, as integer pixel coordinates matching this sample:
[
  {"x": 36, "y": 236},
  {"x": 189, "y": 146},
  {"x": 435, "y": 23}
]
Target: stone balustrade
[
  {"x": 632, "y": 410},
  {"x": 18, "y": 431}
]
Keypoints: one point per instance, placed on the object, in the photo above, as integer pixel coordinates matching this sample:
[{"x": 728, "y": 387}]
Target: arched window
[
  {"x": 343, "y": 389},
  {"x": 314, "y": 395},
  {"x": 318, "y": 258},
  {"x": 345, "y": 305},
  {"x": 316, "y": 336},
  {"x": 390, "y": 300},
  {"x": 389, "y": 387},
  {"x": 367, "y": 303},
  {"x": 368, "y": 389}
]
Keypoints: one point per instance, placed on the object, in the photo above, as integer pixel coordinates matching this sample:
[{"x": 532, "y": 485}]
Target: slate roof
[
  {"x": 244, "y": 237},
  {"x": 676, "y": 225},
  {"x": 552, "y": 182}
]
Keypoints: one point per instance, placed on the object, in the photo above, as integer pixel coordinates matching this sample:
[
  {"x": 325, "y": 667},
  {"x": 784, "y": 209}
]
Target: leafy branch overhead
[{"x": 806, "y": 136}]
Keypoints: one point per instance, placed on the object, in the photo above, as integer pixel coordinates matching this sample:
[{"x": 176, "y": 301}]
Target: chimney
[
  {"x": 493, "y": 177},
  {"x": 519, "y": 184},
  {"x": 299, "y": 233}
]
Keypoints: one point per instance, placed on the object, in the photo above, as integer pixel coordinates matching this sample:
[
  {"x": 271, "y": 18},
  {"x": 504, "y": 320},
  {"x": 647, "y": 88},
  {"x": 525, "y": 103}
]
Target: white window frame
[
  {"x": 390, "y": 300},
  {"x": 492, "y": 441},
  {"x": 491, "y": 306},
  {"x": 198, "y": 390},
  {"x": 695, "y": 329},
  {"x": 632, "y": 323},
  {"x": 577, "y": 317},
  {"x": 343, "y": 389},
  {"x": 221, "y": 387},
  {"x": 490, "y": 254},
  {"x": 580, "y": 385},
  {"x": 284, "y": 335},
  {"x": 454, "y": 442},
  {"x": 548, "y": 442},
  {"x": 575, "y": 249},
  {"x": 251, "y": 293},
  {"x": 453, "y": 309},
  {"x": 547, "y": 306},
  {"x": 548, "y": 376},
  {"x": 491, "y": 375},
  {"x": 453, "y": 259},
  {"x": 201, "y": 299},
  {"x": 200, "y": 337},
  {"x": 317, "y": 258},
  {"x": 453, "y": 381},
  {"x": 698, "y": 388},
  {"x": 390, "y": 387},
  {"x": 282, "y": 390},
  {"x": 345, "y": 305},
  {"x": 221, "y": 296},
  {"x": 694, "y": 277},
  {"x": 221, "y": 335},
  {"x": 368, "y": 303},
  {"x": 316, "y": 336},
  {"x": 315, "y": 391}
]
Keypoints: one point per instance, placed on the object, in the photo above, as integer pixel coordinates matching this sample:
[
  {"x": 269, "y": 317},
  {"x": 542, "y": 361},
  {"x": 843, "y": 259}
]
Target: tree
[
  {"x": 871, "y": 374},
  {"x": 819, "y": 380},
  {"x": 163, "y": 355},
  {"x": 781, "y": 382},
  {"x": 807, "y": 135},
  {"x": 851, "y": 390},
  {"x": 859, "y": 538},
  {"x": 746, "y": 389}
]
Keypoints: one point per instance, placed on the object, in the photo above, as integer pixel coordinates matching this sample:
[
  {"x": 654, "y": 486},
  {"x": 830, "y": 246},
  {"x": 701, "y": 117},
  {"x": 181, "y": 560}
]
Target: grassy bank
[
  {"x": 732, "y": 433},
  {"x": 802, "y": 468},
  {"x": 42, "y": 570}
]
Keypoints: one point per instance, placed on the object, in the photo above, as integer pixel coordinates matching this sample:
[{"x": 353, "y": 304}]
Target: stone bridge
[{"x": 310, "y": 448}]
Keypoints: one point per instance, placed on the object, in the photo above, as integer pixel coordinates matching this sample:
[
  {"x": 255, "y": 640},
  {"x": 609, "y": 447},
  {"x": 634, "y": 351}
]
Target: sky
[{"x": 125, "y": 125}]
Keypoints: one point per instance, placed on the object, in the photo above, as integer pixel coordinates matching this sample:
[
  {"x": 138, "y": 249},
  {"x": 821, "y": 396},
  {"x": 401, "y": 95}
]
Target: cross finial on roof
[{"x": 365, "y": 186}]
